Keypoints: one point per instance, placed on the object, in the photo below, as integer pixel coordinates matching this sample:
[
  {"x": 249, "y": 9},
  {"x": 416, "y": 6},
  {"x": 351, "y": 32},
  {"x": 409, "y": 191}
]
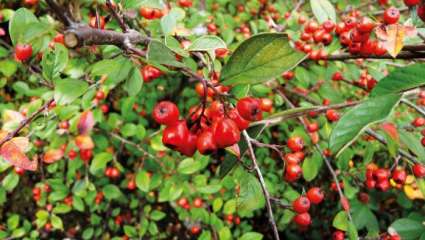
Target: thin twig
[
  {"x": 126, "y": 141},
  {"x": 263, "y": 184},
  {"x": 25, "y": 122},
  {"x": 414, "y": 106},
  {"x": 114, "y": 13}
]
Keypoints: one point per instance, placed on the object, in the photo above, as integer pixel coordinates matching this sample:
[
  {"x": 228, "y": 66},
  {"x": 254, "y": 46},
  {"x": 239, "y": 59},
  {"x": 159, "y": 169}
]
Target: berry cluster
[
  {"x": 151, "y": 13},
  {"x": 301, "y": 205},
  {"x": 293, "y": 169},
  {"x": 214, "y": 127}
]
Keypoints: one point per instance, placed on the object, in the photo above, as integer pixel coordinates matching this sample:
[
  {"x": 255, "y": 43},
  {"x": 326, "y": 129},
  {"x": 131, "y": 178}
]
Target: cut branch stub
[{"x": 85, "y": 36}]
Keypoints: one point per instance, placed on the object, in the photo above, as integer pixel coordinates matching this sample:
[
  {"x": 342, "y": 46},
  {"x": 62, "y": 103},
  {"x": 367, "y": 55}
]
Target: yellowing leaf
[
  {"x": 53, "y": 155},
  {"x": 392, "y": 37},
  {"x": 84, "y": 142},
  {"x": 15, "y": 156}
]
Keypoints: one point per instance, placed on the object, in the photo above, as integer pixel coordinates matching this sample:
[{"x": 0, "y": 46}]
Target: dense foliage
[{"x": 228, "y": 119}]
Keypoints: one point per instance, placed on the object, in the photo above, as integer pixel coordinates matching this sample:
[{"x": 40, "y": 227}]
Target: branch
[
  {"x": 114, "y": 13},
  {"x": 263, "y": 185},
  {"x": 328, "y": 164},
  {"x": 25, "y": 122},
  {"x": 62, "y": 13},
  {"x": 401, "y": 55},
  {"x": 126, "y": 141}
]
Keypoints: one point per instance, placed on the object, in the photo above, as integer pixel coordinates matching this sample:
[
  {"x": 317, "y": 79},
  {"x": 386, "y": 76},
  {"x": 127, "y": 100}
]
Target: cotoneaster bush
[{"x": 258, "y": 119}]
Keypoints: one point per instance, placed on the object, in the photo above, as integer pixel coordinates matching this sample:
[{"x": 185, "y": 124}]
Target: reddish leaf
[
  {"x": 86, "y": 123},
  {"x": 53, "y": 155},
  {"x": 84, "y": 142},
  {"x": 392, "y": 37},
  {"x": 15, "y": 156},
  {"x": 391, "y": 129}
]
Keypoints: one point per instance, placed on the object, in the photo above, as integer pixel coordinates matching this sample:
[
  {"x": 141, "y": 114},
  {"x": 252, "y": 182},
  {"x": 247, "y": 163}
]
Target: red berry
[
  {"x": 295, "y": 143},
  {"x": 184, "y": 3},
  {"x": 212, "y": 28},
  {"x": 337, "y": 76},
  {"x": 301, "y": 204},
  {"x": 266, "y": 104},
  {"x": 383, "y": 185},
  {"x": 315, "y": 195},
  {"x": 59, "y": 38},
  {"x": 294, "y": 158},
  {"x": 332, "y": 115},
  {"x": 205, "y": 143},
  {"x": 288, "y": 75},
  {"x": 418, "y": 122},
  {"x": 302, "y": 219},
  {"x": 23, "y": 52},
  {"x": 311, "y": 27},
  {"x": 221, "y": 52},
  {"x": 411, "y": 3},
  {"x": 174, "y": 135},
  {"x": 19, "y": 171},
  {"x": 313, "y": 127},
  {"x": 338, "y": 235},
  {"x": 104, "y": 108},
  {"x": 36, "y": 191},
  {"x": 182, "y": 202},
  {"x": 391, "y": 15},
  {"x": 370, "y": 183},
  {"x": 72, "y": 154},
  {"x": 249, "y": 108},
  {"x": 197, "y": 202},
  {"x": 399, "y": 176},
  {"x": 328, "y": 25},
  {"x": 64, "y": 125},
  {"x": 131, "y": 185},
  {"x": 382, "y": 174},
  {"x": 225, "y": 132},
  {"x": 195, "y": 230},
  {"x": 100, "y": 95},
  {"x": 365, "y": 25},
  {"x": 419, "y": 170},
  {"x": 421, "y": 12},
  {"x": 150, "y": 73},
  {"x": 292, "y": 172},
  {"x": 240, "y": 121},
  {"x": 48, "y": 227},
  {"x": 86, "y": 154},
  {"x": 166, "y": 113}
]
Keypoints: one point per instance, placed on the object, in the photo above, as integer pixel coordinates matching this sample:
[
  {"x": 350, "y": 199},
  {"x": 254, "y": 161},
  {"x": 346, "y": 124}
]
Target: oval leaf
[
  {"x": 355, "y": 121},
  {"x": 401, "y": 79},
  {"x": 67, "y": 90},
  {"x": 408, "y": 228},
  {"x": 261, "y": 58},
  {"x": 207, "y": 43},
  {"x": 323, "y": 10}
]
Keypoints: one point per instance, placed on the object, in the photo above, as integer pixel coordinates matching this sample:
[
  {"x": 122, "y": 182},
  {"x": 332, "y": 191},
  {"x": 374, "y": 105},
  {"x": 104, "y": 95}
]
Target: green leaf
[
  {"x": 207, "y": 43},
  {"x": 161, "y": 54},
  {"x": 400, "y": 79},
  {"x": 134, "y": 83},
  {"x": 19, "y": 23},
  {"x": 56, "y": 222},
  {"x": 99, "y": 162},
  {"x": 111, "y": 191},
  {"x": 341, "y": 221},
  {"x": 157, "y": 215},
  {"x": 10, "y": 181},
  {"x": 225, "y": 234},
  {"x": 352, "y": 232},
  {"x": 54, "y": 62},
  {"x": 8, "y": 67},
  {"x": 251, "y": 236},
  {"x": 188, "y": 166},
  {"x": 356, "y": 120},
  {"x": 250, "y": 196},
  {"x": 116, "y": 69},
  {"x": 259, "y": 59},
  {"x": 408, "y": 229},
  {"x": 13, "y": 222},
  {"x": 67, "y": 90},
  {"x": 323, "y": 10},
  {"x": 311, "y": 167},
  {"x": 143, "y": 180},
  {"x": 413, "y": 142},
  {"x": 169, "y": 22}
]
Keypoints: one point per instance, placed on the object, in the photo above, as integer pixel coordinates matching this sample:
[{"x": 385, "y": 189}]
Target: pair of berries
[
  {"x": 301, "y": 205},
  {"x": 150, "y": 13}
]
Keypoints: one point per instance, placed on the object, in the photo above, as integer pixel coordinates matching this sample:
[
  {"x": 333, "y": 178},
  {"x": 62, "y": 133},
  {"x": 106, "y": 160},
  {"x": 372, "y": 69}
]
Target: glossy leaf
[
  {"x": 408, "y": 229},
  {"x": 401, "y": 79},
  {"x": 54, "y": 62},
  {"x": 356, "y": 120},
  {"x": 67, "y": 90},
  {"x": 17, "y": 25},
  {"x": 259, "y": 59},
  {"x": 161, "y": 54},
  {"x": 207, "y": 43}
]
